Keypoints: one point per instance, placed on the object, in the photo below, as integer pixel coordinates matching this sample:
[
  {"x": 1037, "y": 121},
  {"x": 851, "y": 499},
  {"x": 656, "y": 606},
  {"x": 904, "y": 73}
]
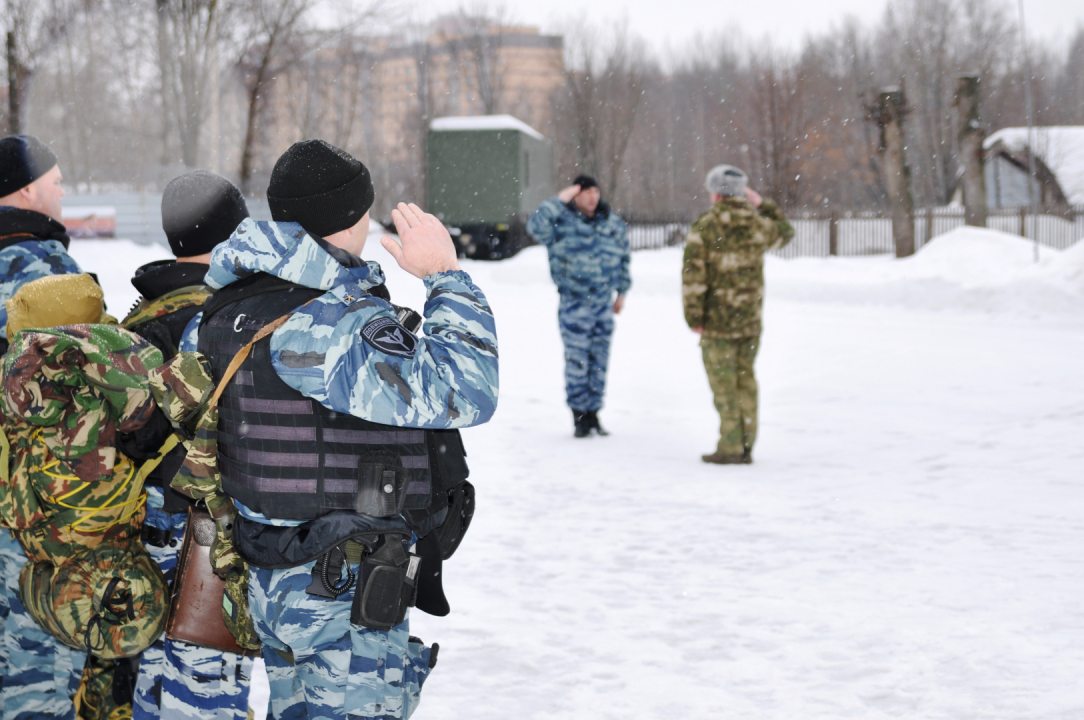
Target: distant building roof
[
  {"x": 485, "y": 122},
  {"x": 1061, "y": 148}
]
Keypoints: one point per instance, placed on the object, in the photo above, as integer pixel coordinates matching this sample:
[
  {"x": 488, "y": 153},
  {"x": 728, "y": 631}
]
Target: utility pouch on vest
[
  {"x": 382, "y": 485},
  {"x": 195, "y": 612},
  {"x": 387, "y": 585}
]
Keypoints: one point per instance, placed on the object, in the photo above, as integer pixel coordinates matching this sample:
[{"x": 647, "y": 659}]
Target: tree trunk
[
  {"x": 971, "y": 135},
  {"x": 891, "y": 109},
  {"x": 15, "y": 125},
  {"x": 254, "y": 98},
  {"x": 165, "y": 51}
]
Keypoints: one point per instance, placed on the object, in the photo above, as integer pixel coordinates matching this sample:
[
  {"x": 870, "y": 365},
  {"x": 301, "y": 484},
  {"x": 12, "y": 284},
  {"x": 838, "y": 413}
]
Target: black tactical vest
[{"x": 287, "y": 456}]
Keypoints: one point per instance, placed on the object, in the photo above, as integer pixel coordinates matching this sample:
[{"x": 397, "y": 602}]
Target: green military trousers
[{"x": 729, "y": 364}]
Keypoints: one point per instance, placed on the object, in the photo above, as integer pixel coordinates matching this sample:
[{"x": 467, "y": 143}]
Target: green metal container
[{"x": 486, "y": 175}]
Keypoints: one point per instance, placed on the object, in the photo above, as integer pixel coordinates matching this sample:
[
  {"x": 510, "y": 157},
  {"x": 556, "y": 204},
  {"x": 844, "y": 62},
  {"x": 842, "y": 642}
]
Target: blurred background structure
[{"x": 131, "y": 93}]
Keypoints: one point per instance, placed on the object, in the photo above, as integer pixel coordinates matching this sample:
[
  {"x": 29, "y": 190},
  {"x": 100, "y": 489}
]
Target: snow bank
[{"x": 969, "y": 269}]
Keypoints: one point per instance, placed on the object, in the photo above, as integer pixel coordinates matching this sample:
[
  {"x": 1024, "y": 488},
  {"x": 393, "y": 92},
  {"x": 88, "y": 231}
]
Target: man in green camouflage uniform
[{"x": 722, "y": 288}]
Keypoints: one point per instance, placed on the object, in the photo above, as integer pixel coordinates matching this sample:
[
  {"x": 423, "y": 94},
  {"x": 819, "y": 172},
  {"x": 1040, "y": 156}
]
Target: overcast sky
[{"x": 671, "y": 23}]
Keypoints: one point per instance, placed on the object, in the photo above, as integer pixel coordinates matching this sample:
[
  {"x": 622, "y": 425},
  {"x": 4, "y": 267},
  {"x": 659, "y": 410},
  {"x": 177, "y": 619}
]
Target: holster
[
  {"x": 387, "y": 585},
  {"x": 196, "y": 609}
]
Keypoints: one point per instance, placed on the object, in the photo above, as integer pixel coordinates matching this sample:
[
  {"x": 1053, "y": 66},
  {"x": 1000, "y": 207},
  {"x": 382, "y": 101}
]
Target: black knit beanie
[
  {"x": 200, "y": 210},
  {"x": 319, "y": 186},
  {"x": 23, "y": 159},
  {"x": 585, "y": 182}
]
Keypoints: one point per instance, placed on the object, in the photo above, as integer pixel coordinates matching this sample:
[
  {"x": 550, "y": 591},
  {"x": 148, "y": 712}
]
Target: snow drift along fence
[{"x": 870, "y": 232}]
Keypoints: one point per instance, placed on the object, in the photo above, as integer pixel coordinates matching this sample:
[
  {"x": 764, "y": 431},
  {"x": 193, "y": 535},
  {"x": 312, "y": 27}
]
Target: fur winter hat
[{"x": 726, "y": 180}]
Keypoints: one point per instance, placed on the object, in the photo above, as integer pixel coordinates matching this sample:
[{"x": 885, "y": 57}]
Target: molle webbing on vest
[{"x": 288, "y": 456}]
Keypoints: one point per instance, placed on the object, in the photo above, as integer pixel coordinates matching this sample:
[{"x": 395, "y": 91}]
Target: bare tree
[
  {"x": 279, "y": 36},
  {"x": 971, "y": 137},
  {"x": 473, "y": 36},
  {"x": 888, "y": 112},
  {"x": 775, "y": 123},
  {"x": 604, "y": 90},
  {"x": 273, "y": 43},
  {"x": 189, "y": 37},
  {"x": 33, "y": 27},
  {"x": 1069, "y": 85}
]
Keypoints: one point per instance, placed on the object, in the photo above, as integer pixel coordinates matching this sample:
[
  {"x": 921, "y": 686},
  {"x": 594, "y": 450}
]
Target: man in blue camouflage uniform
[
  {"x": 589, "y": 262},
  {"x": 178, "y": 680},
  {"x": 38, "y": 675},
  {"x": 342, "y": 357}
]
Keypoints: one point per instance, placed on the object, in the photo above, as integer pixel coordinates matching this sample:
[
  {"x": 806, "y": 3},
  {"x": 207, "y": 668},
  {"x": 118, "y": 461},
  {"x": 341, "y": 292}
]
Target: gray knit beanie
[{"x": 726, "y": 180}]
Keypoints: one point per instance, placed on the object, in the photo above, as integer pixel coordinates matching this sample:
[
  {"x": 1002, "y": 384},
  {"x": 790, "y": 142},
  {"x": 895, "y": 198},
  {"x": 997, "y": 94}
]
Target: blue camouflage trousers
[
  {"x": 587, "y": 324},
  {"x": 179, "y": 681},
  {"x": 319, "y": 665},
  {"x": 39, "y": 676}
]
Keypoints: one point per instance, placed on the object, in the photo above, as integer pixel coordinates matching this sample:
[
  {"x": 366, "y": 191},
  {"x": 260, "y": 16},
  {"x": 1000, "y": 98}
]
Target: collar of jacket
[
  {"x": 601, "y": 212},
  {"x": 287, "y": 251},
  {"x": 155, "y": 279},
  {"x": 344, "y": 258},
  {"x": 18, "y": 225},
  {"x": 734, "y": 201}
]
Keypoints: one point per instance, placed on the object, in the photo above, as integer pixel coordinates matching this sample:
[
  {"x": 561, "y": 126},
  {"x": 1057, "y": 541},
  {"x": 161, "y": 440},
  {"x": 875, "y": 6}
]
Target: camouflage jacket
[
  {"x": 722, "y": 278},
  {"x": 32, "y": 245},
  {"x": 172, "y": 296},
  {"x": 67, "y": 393},
  {"x": 336, "y": 349},
  {"x": 168, "y": 289},
  {"x": 589, "y": 257}
]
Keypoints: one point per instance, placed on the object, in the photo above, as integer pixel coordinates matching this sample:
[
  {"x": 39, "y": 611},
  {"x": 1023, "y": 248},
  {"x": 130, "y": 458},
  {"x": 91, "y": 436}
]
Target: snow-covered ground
[{"x": 907, "y": 543}]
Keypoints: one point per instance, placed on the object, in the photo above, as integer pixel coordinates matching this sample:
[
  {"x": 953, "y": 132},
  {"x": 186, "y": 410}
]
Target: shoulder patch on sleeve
[{"x": 388, "y": 336}]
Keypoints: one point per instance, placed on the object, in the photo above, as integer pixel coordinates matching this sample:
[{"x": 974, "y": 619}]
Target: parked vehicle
[{"x": 486, "y": 175}]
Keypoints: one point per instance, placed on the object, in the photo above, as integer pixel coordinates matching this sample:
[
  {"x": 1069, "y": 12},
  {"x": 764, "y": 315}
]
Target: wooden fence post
[
  {"x": 833, "y": 234},
  {"x": 1023, "y": 222},
  {"x": 929, "y": 225}
]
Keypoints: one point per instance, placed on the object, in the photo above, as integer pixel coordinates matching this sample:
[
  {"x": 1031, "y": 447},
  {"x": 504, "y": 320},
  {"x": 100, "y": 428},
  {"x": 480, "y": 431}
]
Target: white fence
[{"x": 870, "y": 233}]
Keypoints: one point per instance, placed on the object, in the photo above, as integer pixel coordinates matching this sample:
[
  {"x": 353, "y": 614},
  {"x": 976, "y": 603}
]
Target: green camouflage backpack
[
  {"x": 75, "y": 502},
  {"x": 185, "y": 391}
]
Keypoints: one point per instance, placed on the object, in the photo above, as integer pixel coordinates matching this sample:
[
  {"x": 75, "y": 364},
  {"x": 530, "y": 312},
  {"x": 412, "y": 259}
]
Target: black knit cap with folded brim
[
  {"x": 586, "y": 182},
  {"x": 199, "y": 211},
  {"x": 23, "y": 159},
  {"x": 320, "y": 187}
]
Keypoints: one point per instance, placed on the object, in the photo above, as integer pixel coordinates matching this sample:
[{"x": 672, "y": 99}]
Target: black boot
[
  {"x": 594, "y": 423},
  {"x": 583, "y": 424}
]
